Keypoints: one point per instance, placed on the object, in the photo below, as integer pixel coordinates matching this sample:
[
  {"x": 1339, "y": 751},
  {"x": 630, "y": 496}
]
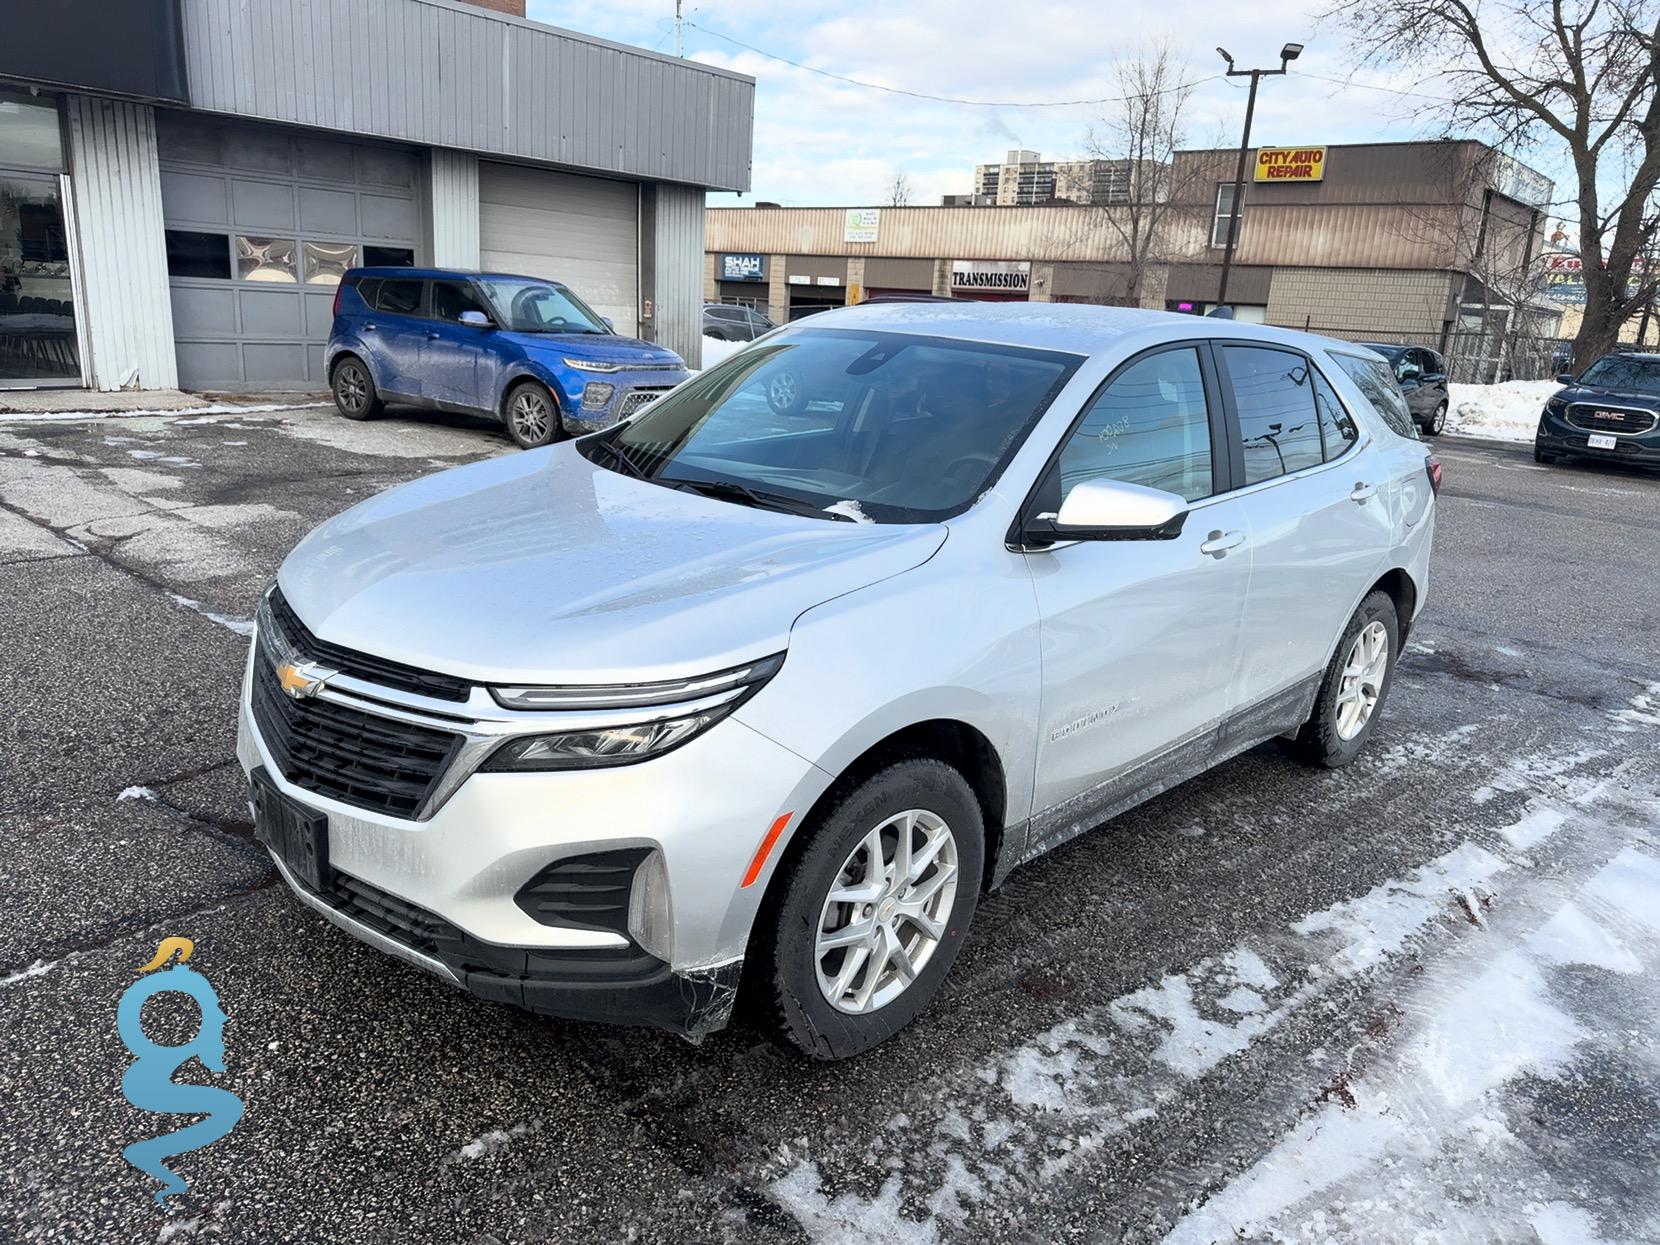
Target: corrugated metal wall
[
  {"x": 118, "y": 219},
  {"x": 674, "y": 274},
  {"x": 451, "y": 208},
  {"x": 452, "y": 75}
]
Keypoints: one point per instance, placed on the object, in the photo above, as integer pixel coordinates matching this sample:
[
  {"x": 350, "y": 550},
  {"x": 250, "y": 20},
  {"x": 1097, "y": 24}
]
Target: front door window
[{"x": 37, "y": 301}]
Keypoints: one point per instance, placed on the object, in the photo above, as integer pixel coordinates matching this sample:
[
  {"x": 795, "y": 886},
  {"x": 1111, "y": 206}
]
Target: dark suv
[
  {"x": 729, "y": 322},
  {"x": 1612, "y": 412},
  {"x": 1422, "y": 376}
]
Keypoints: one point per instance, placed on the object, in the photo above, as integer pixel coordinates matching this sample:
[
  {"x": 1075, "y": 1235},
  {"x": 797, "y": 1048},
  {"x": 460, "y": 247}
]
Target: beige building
[
  {"x": 1416, "y": 242},
  {"x": 1026, "y": 179}
]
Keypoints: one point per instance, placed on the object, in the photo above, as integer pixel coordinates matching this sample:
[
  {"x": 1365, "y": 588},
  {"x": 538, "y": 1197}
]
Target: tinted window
[
  {"x": 388, "y": 257},
  {"x": 1624, "y": 372},
  {"x": 451, "y": 298},
  {"x": 368, "y": 289},
  {"x": 399, "y": 297},
  {"x": 1377, "y": 383},
  {"x": 728, "y": 314},
  {"x": 1337, "y": 427},
  {"x": 1150, "y": 426},
  {"x": 1427, "y": 361},
  {"x": 198, "y": 254},
  {"x": 1274, "y": 391}
]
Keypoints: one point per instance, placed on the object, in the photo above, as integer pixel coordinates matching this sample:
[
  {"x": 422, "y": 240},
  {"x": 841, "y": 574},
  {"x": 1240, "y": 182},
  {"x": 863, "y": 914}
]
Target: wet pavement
[{"x": 1412, "y": 999}]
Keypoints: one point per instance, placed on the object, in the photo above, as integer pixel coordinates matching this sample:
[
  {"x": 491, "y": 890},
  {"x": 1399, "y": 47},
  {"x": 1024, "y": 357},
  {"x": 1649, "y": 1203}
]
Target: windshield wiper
[
  {"x": 622, "y": 460},
  {"x": 734, "y": 491}
]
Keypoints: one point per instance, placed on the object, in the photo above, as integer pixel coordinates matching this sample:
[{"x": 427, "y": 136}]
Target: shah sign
[
  {"x": 1290, "y": 164},
  {"x": 743, "y": 267},
  {"x": 861, "y": 224},
  {"x": 1005, "y": 276}
]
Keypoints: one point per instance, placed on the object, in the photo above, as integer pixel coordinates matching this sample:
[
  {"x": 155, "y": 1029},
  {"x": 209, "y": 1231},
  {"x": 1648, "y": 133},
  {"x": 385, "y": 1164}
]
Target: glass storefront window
[
  {"x": 326, "y": 262},
  {"x": 266, "y": 259},
  {"x": 30, "y": 137},
  {"x": 37, "y": 298}
]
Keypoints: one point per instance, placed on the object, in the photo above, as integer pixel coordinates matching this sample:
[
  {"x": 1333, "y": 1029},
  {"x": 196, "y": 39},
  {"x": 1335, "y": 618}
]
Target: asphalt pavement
[{"x": 1151, "y": 1033}]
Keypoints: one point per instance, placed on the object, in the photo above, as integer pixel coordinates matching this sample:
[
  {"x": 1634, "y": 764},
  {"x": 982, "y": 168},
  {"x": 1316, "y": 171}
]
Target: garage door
[
  {"x": 584, "y": 231},
  {"x": 261, "y": 221}
]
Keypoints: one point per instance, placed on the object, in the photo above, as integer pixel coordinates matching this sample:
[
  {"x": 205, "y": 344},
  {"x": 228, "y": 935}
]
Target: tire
[
  {"x": 355, "y": 395},
  {"x": 531, "y": 415},
  {"x": 787, "y": 392},
  {"x": 1438, "y": 421},
  {"x": 1539, "y": 455},
  {"x": 791, "y": 979},
  {"x": 1330, "y": 737}
]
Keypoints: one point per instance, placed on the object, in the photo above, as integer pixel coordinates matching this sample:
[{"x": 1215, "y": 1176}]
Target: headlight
[
  {"x": 1555, "y": 406},
  {"x": 597, "y": 395},
  {"x": 597, "y": 749},
  {"x": 593, "y": 365}
]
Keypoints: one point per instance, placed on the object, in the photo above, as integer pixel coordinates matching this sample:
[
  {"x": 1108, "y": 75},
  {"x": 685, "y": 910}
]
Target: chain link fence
[{"x": 1485, "y": 357}]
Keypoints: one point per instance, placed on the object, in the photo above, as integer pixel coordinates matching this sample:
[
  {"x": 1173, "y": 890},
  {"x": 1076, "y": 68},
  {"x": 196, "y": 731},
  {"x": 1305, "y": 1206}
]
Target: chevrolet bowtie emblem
[{"x": 300, "y": 682}]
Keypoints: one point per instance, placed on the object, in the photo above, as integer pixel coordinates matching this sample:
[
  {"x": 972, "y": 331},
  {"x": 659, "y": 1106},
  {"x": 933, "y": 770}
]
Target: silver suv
[{"x": 732, "y": 696}]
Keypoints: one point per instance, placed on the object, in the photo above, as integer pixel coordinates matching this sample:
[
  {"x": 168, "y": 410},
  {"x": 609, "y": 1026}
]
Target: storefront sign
[
  {"x": 1014, "y": 277},
  {"x": 1290, "y": 164},
  {"x": 862, "y": 224},
  {"x": 743, "y": 267}
]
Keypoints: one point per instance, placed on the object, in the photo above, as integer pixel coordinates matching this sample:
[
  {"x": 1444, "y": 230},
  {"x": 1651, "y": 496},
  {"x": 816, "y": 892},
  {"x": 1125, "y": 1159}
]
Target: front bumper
[
  {"x": 443, "y": 893},
  {"x": 1556, "y": 435},
  {"x": 632, "y": 392}
]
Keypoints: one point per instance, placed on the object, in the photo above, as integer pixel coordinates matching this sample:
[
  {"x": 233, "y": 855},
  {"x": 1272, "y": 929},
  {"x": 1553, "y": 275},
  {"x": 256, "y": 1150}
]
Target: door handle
[
  {"x": 1218, "y": 543},
  {"x": 369, "y": 328},
  {"x": 1362, "y": 492},
  {"x": 431, "y": 336}
]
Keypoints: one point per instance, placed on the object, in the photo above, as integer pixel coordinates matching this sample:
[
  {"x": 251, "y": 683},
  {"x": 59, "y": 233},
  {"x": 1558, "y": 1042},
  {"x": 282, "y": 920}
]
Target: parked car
[
  {"x": 728, "y": 322},
  {"x": 1422, "y": 376},
  {"x": 524, "y": 350},
  {"x": 1611, "y": 411},
  {"x": 610, "y": 729}
]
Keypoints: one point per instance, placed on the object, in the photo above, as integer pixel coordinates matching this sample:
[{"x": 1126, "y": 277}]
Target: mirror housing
[
  {"x": 608, "y": 323},
  {"x": 1110, "y": 510},
  {"x": 1564, "y": 378},
  {"x": 475, "y": 319},
  {"x": 1410, "y": 372}
]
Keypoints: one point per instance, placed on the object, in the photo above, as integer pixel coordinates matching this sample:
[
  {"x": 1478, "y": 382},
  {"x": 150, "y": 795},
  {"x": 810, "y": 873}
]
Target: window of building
[
  {"x": 388, "y": 256},
  {"x": 30, "y": 136},
  {"x": 191, "y": 254},
  {"x": 266, "y": 259},
  {"x": 1337, "y": 427},
  {"x": 1278, "y": 425},
  {"x": 1150, "y": 426},
  {"x": 326, "y": 262},
  {"x": 401, "y": 298},
  {"x": 451, "y": 298},
  {"x": 1224, "y": 215},
  {"x": 1377, "y": 383}
]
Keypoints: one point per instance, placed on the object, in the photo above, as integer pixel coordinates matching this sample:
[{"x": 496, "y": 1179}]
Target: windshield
[
  {"x": 886, "y": 427},
  {"x": 1623, "y": 372},
  {"x": 525, "y": 305}
]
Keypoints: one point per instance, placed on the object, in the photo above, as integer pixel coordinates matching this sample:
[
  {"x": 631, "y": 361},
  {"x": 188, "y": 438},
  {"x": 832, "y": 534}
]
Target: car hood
[
  {"x": 1612, "y": 397},
  {"x": 598, "y": 348},
  {"x": 542, "y": 567}
]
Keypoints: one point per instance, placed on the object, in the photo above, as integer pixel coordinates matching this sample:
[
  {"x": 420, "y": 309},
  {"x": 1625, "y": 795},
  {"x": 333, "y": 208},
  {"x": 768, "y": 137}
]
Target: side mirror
[
  {"x": 1410, "y": 372},
  {"x": 1111, "y": 510},
  {"x": 1564, "y": 378},
  {"x": 608, "y": 323},
  {"x": 475, "y": 319}
]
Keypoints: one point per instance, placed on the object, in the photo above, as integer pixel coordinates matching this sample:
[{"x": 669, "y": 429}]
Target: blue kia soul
[{"x": 524, "y": 350}]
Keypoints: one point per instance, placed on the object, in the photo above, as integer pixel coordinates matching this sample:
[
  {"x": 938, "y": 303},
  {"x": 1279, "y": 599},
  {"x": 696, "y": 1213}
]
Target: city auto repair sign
[{"x": 1290, "y": 164}]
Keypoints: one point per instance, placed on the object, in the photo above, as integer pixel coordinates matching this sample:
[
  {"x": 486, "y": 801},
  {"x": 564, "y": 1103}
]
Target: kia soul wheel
[{"x": 872, "y": 910}]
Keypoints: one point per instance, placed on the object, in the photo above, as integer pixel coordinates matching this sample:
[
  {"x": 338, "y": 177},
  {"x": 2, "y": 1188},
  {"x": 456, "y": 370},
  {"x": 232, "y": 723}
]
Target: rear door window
[
  {"x": 1374, "y": 380},
  {"x": 1337, "y": 427},
  {"x": 451, "y": 298},
  {"x": 399, "y": 297},
  {"x": 1278, "y": 425}
]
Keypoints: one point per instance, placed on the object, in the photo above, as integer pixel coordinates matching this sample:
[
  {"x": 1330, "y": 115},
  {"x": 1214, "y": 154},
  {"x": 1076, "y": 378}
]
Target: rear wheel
[
  {"x": 354, "y": 389},
  {"x": 1438, "y": 421},
  {"x": 532, "y": 415},
  {"x": 1355, "y": 686},
  {"x": 872, "y": 912}
]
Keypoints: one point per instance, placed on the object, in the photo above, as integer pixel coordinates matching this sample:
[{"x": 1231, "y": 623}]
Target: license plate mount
[
  {"x": 298, "y": 836},
  {"x": 1601, "y": 441}
]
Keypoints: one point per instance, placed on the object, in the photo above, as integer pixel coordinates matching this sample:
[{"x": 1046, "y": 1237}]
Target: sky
[{"x": 825, "y": 143}]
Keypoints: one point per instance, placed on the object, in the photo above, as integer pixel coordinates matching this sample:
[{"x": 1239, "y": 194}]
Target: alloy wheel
[
  {"x": 886, "y": 911},
  {"x": 351, "y": 387},
  {"x": 781, "y": 391},
  {"x": 1362, "y": 680},
  {"x": 531, "y": 416},
  {"x": 1438, "y": 421}
]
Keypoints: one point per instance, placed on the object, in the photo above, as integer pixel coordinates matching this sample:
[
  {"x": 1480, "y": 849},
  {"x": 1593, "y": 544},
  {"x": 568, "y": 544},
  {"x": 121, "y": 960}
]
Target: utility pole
[
  {"x": 677, "y": 47},
  {"x": 1288, "y": 53}
]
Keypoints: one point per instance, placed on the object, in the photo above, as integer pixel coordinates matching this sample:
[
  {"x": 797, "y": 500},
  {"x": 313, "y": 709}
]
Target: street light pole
[{"x": 1288, "y": 53}]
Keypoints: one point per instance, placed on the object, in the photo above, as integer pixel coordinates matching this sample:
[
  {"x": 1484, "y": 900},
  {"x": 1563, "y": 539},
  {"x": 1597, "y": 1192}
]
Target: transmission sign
[{"x": 1290, "y": 164}]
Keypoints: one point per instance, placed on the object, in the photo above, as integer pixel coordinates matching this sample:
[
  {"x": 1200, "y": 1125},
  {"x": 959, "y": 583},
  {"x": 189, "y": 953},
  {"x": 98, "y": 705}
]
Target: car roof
[
  {"x": 1389, "y": 347},
  {"x": 438, "y": 274},
  {"x": 1076, "y": 328}
]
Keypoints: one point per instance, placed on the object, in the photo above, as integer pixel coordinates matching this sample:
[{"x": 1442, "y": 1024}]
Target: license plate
[
  {"x": 1599, "y": 442},
  {"x": 298, "y": 836}
]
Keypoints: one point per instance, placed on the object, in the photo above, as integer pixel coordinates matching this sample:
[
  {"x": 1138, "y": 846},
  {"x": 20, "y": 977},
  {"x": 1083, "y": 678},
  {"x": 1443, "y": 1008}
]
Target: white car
[{"x": 728, "y": 696}]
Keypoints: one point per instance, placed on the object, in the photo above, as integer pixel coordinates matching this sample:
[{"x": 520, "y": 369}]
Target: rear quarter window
[{"x": 1377, "y": 383}]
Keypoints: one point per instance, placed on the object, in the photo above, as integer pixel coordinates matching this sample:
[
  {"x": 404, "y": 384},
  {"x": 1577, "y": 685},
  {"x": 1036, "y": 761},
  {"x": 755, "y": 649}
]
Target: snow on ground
[
  {"x": 202, "y": 414},
  {"x": 714, "y": 350},
  {"x": 1507, "y": 412}
]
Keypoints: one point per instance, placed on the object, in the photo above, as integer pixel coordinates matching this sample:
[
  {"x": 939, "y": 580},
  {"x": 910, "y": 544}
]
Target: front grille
[
  {"x": 364, "y": 666},
  {"x": 584, "y": 892},
  {"x": 357, "y": 758},
  {"x": 636, "y": 398},
  {"x": 1604, "y": 419}
]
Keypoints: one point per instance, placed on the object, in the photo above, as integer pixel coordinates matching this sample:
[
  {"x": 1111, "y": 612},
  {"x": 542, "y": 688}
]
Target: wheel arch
[
  {"x": 515, "y": 379},
  {"x": 1403, "y": 591}
]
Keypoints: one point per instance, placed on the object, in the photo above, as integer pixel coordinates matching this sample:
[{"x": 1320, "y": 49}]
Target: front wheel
[
  {"x": 872, "y": 912},
  {"x": 532, "y": 416},
  {"x": 354, "y": 390},
  {"x": 1539, "y": 455},
  {"x": 1355, "y": 686}
]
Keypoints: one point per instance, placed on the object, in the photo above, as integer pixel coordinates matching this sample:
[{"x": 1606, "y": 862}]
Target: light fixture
[
  {"x": 1223, "y": 53},
  {"x": 1291, "y": 51}
]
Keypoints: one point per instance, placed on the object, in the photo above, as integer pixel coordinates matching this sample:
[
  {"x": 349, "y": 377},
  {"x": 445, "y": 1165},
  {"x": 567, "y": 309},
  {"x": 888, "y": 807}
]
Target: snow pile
[
  {"x": 1507, "y": 412},
  {"x": 715, "y": 350}
]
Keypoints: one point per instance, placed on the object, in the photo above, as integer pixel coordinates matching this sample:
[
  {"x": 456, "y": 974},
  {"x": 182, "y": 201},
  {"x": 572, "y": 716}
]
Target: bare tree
[
  {"x": 1579, "y": 75},
  {"x": 899, "y": 189},
  {"x": 1138, "y": 143}
]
